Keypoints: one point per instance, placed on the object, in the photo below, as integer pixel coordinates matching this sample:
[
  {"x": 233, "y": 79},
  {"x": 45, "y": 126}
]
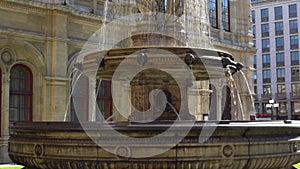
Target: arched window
[
  {"x": 226, "y": 15},
  {"x": 213, "y": 13},
  {"x": 20, "y": 94}
]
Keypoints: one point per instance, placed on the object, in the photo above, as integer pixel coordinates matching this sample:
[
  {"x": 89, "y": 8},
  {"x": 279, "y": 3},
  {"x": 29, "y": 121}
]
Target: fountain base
[{"x": 248, "y": 145}]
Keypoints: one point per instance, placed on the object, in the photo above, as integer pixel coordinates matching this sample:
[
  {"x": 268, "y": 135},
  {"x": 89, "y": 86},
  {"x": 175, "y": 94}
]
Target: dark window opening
[{"x": 20, "y": 94}]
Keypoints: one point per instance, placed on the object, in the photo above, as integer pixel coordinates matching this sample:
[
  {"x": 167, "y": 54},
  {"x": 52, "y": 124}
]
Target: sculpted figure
[
  {"x": 172, "y": 7},
  {"x": 147, "y": 6}
]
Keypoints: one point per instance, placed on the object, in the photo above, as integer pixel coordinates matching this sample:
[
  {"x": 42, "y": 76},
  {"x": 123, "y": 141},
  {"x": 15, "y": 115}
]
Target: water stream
[
  {"x": 249, "y": 90},
  {"x": 75, "y": 74},
  {"x": 238, "y": 96},
  {"x": 101, "y": 44},
  {"x": 173, "y": 108}
]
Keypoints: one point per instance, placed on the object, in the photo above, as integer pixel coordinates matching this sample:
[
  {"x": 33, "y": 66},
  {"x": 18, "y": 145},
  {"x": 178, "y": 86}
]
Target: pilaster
[
  {"x": 5, "y": 104},
  {"x": 56, "y": 55}
]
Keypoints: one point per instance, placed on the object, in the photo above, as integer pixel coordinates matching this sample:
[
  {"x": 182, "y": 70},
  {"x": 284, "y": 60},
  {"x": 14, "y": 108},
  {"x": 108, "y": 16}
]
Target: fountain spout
[{"x": 232, "y": 65}]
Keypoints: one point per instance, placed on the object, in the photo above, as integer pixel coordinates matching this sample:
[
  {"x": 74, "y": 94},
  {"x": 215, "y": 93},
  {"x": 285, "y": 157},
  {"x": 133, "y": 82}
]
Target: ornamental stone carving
[{"x": 38, "y": 150}]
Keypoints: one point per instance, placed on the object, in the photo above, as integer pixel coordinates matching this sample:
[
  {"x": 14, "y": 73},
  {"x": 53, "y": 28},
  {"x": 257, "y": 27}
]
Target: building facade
[
  {"x": 275, "y": 26},
  {"x": 40, "y": 41}
]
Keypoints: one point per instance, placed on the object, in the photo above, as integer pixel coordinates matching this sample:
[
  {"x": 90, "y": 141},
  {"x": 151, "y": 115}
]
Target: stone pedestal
[{"x": 155, "y": 95}]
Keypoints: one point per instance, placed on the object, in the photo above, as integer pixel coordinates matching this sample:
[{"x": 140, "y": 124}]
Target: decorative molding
[
  {"x": 266, "y": 3},
  {"x": 228, "y": 151},
  {"x": 123, "y": 151},
  {"x": 38, "y": 150},
  {"x": 42, "y": 8},
  {"x": 66, "y": 145},
  {"x": 15, "y": 4},
  {"x": 57, "y": 81},
  {"x": 8, "y": 56}
]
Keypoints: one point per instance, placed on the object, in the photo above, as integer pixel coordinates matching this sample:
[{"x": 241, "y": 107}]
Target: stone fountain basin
[
  {"x": 234, "y": 145},
  {"x": 208, "y": 64}
]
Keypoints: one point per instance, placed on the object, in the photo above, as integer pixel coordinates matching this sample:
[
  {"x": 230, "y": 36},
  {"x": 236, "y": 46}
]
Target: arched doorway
[
  {"x": 20, "y": 94},
  {"x": 226, "y": 103}
]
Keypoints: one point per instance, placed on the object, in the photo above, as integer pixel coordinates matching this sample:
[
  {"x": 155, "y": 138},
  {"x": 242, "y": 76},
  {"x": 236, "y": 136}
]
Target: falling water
[
  {"x": 101, "y": 44},
  {"x": 98, "y": 111},
  {"x": 238, "y": 95},
  {"x": 249, "y": 90},
  {"x": 110, "y": 117},
  {"x": 233, "y": 96},
  {"x": 76, "y": 74},
  {"x": 173, "y": 108},
  {"x": 101, "y": 47}
]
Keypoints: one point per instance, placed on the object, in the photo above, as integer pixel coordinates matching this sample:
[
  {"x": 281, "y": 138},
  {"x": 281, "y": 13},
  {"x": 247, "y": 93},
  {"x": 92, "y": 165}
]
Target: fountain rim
[
  {"x": 42, "y": 141},
  {"x": 159, "y": 125},
  {"x": 140, "y": 48}
]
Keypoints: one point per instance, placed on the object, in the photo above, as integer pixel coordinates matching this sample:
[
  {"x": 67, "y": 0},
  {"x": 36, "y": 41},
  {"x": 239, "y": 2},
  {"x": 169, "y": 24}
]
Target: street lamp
[{"x": 272, "y": 104}]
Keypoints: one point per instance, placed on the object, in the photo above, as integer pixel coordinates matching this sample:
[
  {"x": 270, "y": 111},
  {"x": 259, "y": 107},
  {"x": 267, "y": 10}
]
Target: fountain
[{"x": 159, "y": 130}]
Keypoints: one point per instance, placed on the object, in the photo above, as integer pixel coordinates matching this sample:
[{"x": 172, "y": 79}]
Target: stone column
[
  {"x": 185, "y": 112},
  {"x": 122, "y": 100},
  {"x": 4, "y": 158},
  {"x": 195, "y": 103},
  {"x": 5, "y": 103},
  {"x": 199, "y": 99},
  {"x": 289, "y": 105},
  {"x": 219, "y": 103},
  {"x": 205, "y": 97},
  {"x": 92, "y": 103}
]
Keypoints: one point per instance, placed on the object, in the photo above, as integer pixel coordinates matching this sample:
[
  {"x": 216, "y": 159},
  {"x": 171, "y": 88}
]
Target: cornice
[
  {"x": 268, "y": 2},
  {"x": 233, "y": 47},
  {"x": 42, "y": 8},
  {"x": 15, "y": 33},
  {"x": 41, "y": 38},
  {"x": 77, "y": 42},
  {"x": 57, "y": 81},
  {"x": 32, "y": 36},
  {"x": 10, "y": 4}
]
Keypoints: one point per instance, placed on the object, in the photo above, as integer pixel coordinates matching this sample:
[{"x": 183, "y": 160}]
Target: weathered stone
[{"x": 251, "y": 145}]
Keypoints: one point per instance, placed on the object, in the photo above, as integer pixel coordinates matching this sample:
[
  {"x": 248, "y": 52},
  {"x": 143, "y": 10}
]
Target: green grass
[
  {"x": 11, "y": 167},
  {"x": 297, "y": 165}
]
